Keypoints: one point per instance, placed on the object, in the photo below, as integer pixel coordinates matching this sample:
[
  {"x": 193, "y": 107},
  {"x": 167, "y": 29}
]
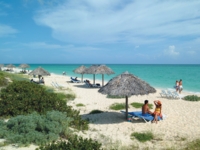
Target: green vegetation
[
  {"x": 191, "y": 98},
  {"x": 139, "y": 105},
  {"x": 194, "y": 145},
  {"x": 80, "y": 105},
  {"x": 3, "y": 80},
  {"x": 117, "y": 106},
  {"x": 22, "y": 97},
  {"x": 142, "y": 137},
  {"x": 115, "y": 97},
  {"x": 14, "y": 77},
  {"x": 96, "y": 112},
  {"x": 74, "y": 143},
  {"x": 35, "y": 128}
]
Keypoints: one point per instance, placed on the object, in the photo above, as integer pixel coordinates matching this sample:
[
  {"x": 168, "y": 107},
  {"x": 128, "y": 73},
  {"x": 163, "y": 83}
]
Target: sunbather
[
  {"x": 158, "y": 111},
  {"x": 145, "y": 108}
]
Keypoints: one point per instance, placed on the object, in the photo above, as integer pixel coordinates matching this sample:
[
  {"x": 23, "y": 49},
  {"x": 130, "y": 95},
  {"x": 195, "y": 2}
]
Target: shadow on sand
[{"x": 108, "y": 118}]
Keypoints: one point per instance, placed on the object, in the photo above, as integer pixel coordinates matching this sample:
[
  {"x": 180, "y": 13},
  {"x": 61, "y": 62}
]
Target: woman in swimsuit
[{"x": 157, "y": 111}]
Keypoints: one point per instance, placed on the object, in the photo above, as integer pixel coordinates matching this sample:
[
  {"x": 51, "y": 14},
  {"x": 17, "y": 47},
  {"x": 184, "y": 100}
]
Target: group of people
[
  {"x": 179, "y": 86},
  {"x": 157, "y": 112},
  {"x": 41, "y": 81}
]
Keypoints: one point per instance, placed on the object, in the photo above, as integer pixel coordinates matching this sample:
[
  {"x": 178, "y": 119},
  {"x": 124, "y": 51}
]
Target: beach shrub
[
  {"x": 192, "y": 98},
  {"x": 22, "y": 97},
  {"x": 96, "y": 112},
  {"x": 35, "y": 128},
  {"x": 80, "y": 105},
  {"x": 143, "y": 137},
  {"x": 118, "y": 106},
  {"x": 3, "y": 81},
  {"x": 139, "y": 105},
  {"x": 194, "y": 145},
  {"x": 73, "y": 143}
]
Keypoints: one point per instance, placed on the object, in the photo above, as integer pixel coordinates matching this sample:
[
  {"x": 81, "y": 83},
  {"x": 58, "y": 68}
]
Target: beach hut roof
[
  {"x": 80, "y": 70},
  {"x": 39, "y": 71},
  {"x": 10, "y": 66},
  {"x": 126, "y": 84},
  {"x": 24, "y": 66},
  {"x": 99, "y": 69}
]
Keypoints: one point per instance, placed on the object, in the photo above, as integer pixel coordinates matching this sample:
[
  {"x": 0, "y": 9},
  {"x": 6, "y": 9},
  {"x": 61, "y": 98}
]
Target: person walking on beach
[
  {"x": 176, "y": 86},
  {"x": 180, "y": 85},
  {"x": 158, "y": 111},
  {"x": 145, "y": 108}
]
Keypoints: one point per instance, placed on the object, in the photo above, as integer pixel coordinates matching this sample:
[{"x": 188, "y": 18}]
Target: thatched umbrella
[
  {"x": 80, "y": 70},
  {"x": 10, "y": 66},
  {"x": 40, "y": 72},
  {"x": 24, "y": 66},
  {"x": 126, "y": 85},
  {"x": 99, "y": 69}
]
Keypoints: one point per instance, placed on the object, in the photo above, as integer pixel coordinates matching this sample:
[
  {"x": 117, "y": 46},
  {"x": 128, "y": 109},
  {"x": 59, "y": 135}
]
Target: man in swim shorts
[{"x": 145, "y": 108}]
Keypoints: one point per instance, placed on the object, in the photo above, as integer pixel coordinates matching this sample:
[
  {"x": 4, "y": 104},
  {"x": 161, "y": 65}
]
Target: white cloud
[
  {"x": 42, "y": 45},
  {"x": 171, "y": 51},
  {"x": 6, "y": 30},
  {"x": 113, "y": 20}
]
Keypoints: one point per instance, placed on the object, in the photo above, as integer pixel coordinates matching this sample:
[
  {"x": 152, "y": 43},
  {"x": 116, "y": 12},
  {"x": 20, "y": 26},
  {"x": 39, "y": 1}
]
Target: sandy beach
[{"x": 180, "y": 125}]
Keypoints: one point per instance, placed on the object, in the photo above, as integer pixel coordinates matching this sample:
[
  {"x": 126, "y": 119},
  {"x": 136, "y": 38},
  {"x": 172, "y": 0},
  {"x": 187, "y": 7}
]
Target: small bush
[
  {"x": 80, "y": 105},
  {"x": 96, "y": 112},
  {"x": 74, "y": 143},
  {"x": 192, "y": 98},
  {"x": 142, "y": 137},
  {"x": 22, "y": 97},
  {"x": 139, "y": 105},
  {"x": 3, "y": 81},
  {"x": 194, "y": 145},
  {"x": 35, "y": 128},
  {"x": 117, "y": 106}
]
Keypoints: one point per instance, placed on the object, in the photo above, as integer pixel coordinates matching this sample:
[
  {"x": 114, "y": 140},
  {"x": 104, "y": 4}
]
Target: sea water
[{"x": 157, "y": 75}]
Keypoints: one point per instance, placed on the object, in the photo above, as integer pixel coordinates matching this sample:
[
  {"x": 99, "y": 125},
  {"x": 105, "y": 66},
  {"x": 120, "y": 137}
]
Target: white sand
[{"x": 110, "y": 128}]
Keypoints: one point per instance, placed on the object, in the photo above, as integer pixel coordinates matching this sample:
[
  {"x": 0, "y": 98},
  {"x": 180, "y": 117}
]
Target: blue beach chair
[{"x": 138, "y": 114}]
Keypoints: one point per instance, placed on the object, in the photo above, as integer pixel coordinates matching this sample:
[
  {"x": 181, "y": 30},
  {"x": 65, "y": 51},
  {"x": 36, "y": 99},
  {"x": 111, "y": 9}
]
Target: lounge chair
[
  {"x": 163, "y": 93},
  {"x": 75, "y": 80},
  {"x": 88, "y": 84},
  {"x": 138, "y": 114},
  {"x": 176, "y": 95}
]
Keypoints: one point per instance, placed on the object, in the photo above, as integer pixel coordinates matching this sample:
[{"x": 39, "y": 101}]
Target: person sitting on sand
[
  {"x": 145, "y": 108},
  {"x": 42, "y": 80},
  {"x": 158, "y": 111}
]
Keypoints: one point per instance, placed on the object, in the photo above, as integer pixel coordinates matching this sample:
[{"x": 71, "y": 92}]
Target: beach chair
[
  {"x": 74, "y": 80},
  {"x": 88, "y": 84},
  {"x": 163, "y": 93},
  {"x": 177, "y": 96},
  {"x": 138, "y": 114}
]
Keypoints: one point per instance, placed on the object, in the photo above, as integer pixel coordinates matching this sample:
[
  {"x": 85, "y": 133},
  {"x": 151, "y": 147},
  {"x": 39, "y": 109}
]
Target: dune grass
[
  {"x": 139, "y": 105},
  {"x": 96, "y": 111},
  {"x": 142, "y": 137},
  {"x": 117, "y": 106},
  {"x": 80, "y": 105}
]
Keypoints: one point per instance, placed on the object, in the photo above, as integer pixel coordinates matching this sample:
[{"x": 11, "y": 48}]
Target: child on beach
[{"x": 158, "y": 111}]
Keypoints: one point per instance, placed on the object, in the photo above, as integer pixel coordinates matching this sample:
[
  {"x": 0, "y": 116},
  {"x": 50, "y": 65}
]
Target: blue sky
[{"x": 100, "y": 31}]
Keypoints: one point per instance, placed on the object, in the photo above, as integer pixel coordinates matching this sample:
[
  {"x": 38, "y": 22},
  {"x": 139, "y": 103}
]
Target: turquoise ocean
[{"x": 161, "y": 76}]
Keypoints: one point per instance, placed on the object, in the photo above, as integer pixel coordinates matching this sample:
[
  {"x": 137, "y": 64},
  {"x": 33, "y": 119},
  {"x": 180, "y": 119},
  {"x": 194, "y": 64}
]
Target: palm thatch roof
[
  {"x": 24, "y": 66},
  {"x": 80, "y": 70},
  {"x": 10, "y": 66},
  {"x": 126, "y": 84},
  {"x": 40, "y": 71},
  {"x": 99, "y": 69}
]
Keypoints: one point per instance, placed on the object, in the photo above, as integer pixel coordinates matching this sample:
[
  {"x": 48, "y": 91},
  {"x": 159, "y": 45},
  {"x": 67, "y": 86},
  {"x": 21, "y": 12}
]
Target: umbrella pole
[
  {"x": 126, "y": 107},
  {"x": 82, "y": 78},
  {"x": 93, "y": 78},
  {"x": 102, "y": 79}
]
